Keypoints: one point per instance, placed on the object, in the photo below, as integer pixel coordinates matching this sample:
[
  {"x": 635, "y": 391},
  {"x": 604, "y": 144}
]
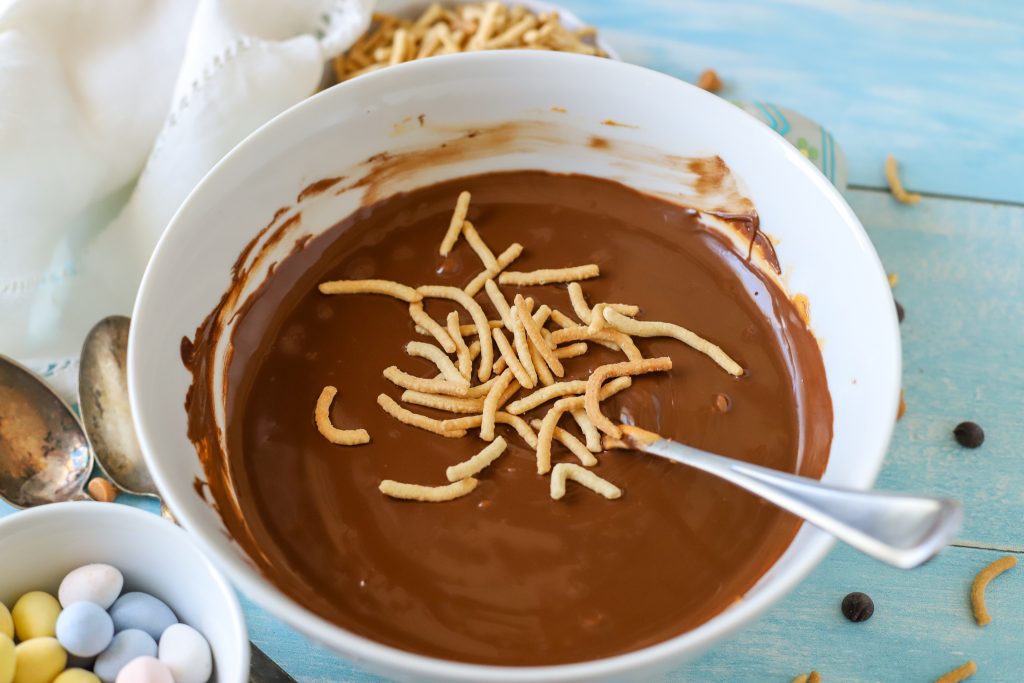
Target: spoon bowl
[
  {"x": 901, "y": 530},
  {"x": 44, "y": 453},
  {"x": 106, "y": 413}
]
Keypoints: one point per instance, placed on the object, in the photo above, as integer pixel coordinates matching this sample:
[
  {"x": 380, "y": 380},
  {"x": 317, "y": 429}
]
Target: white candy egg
[
  {"x": 186, "y": 653},
  {"x": 98, "y": 583}
]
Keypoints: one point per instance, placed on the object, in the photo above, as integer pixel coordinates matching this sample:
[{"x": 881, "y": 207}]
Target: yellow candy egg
[
  {"x": 6, "y": 623},
  {"x": 38, "y": 660},
  {"x": 6, "y": 659},
  {"x": 76, "y": 676},
  {"x": 35, "y": 615}
]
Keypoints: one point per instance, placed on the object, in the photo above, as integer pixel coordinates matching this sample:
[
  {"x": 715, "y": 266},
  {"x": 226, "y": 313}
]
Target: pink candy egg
[{"x": 145, "y": 670}]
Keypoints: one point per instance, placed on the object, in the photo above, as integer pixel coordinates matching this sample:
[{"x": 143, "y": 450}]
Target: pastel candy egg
[
  {"x": 77, "y": 676},
  {"x": 142, "y": 611},
  {"x": 186, "y": 653},
  {"x": 145, "y": 670},
  {"x": 6, "y": 658},
  {"x": 38, "y": 660},
  {"x": 35, "y": 615},
  {"x": 6, "y": 623},
  {"x": 84, "y": 629},
  {"x": 126, "y": 646},
  {"x": 99, "y": 583}
]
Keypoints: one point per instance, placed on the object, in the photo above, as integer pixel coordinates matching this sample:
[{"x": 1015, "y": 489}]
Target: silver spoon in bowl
[
  {"x": 44, "y": 452},
  {"x": 900, "y": 530},
  {"x": 103, "y": 399}
]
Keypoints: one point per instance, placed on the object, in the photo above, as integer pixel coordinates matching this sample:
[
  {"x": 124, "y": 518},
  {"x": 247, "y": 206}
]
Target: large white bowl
[
  {"x": 823, "y": 250},
  {"x": 43, "y": 544}
]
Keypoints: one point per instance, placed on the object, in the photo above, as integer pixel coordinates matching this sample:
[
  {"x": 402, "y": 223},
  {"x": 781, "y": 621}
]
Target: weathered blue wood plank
[
  {"x": 922, "y": 626},
  {"x": 961, "y": 282},
  {"x": 938, "y": 84}
]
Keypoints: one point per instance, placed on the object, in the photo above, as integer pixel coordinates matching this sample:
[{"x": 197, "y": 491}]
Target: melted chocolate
[{"x": 505, "y": 575}]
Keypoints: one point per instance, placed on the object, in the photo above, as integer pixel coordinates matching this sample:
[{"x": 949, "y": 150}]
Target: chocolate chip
[
  {"x": 969, "y": 434},
  {"x": 858, "y": 607},
  {"x": 899, "y": 311}
]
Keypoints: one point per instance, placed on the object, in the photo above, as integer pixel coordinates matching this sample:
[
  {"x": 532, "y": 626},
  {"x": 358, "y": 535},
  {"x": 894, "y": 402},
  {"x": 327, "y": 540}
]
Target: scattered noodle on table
[
  {"x": 980, "y": 583},
  {"x": 896, "y": 185},
  {"x": 961, "y": 673}
]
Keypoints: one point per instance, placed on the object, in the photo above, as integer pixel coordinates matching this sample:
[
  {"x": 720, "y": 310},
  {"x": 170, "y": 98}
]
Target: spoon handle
[
  {"x": 262, "y": 669},
  {"x": 901, "y": 530}
]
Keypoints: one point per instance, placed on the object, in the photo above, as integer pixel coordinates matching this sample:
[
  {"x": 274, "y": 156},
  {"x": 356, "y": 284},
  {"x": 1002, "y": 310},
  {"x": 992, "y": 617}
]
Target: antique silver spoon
[
  {"x": 901, "y": 530},
  {"x": 106, "y": 412},
  {"x": 44, "y": 453}
]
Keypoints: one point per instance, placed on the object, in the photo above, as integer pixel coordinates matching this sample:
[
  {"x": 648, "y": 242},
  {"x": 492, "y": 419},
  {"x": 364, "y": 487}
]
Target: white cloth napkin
[{"x": 110, "y": 112}]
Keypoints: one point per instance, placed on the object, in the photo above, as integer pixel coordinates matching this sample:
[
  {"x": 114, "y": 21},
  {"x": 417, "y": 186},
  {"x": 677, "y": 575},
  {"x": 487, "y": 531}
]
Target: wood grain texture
[
  {"x": 938, "y": 84},
  {"x": 922, "y": 626},
  {"x": 961, "y": 283}
]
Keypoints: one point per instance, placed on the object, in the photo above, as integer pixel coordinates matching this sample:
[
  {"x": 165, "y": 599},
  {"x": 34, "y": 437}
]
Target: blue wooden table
[{"x": 941, "y": 86}]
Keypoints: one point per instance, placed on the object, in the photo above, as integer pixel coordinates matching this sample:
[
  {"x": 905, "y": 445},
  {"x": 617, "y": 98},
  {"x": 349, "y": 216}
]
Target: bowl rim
[
  {"x": 89, "y": 513},
  {"x": 364, "y": 651}
]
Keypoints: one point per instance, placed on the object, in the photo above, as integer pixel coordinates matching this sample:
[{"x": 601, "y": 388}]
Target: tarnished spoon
[
  {"x": 103, "y": 399},
  {"x": 106, "y": 412},
  {"x": 901, "y": 530},
  {"x": 44, "y": 453}
]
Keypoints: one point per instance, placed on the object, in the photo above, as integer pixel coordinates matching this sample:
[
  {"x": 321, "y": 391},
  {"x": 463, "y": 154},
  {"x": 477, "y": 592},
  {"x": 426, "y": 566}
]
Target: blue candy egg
[
  {"x": 126, "y": 646},
  {"x": 142, "y": 611},
  {"x": 84, "y": 629}
]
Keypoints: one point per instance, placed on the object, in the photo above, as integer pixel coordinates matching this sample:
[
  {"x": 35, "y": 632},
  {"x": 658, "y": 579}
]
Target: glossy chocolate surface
[{"x": 506, "y": 575}]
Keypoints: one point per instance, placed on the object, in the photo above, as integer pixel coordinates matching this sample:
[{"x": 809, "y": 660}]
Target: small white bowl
[
  {"x": 41, "y": 545},
  {"x": 570, "y": 100}
]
